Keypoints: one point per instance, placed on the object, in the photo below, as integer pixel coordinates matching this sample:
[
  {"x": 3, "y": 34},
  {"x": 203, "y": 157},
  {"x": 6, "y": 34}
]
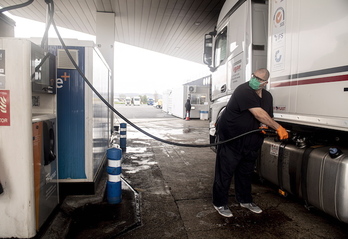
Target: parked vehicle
[
  {"x": 136, "y": 100},
  {"x": 303, "y": 45},
  {"x": 150, "y": 101},
  {"x": 128, "y": 101},
  {"x": 158, "y": 105}
]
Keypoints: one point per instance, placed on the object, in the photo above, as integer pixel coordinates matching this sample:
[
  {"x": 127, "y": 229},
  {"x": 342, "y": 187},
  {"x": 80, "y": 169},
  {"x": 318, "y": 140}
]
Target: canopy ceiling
[{"x": 171, "y": 27}]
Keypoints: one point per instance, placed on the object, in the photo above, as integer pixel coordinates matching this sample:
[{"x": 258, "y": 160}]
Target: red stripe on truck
[{"x": 310, "y": 81}]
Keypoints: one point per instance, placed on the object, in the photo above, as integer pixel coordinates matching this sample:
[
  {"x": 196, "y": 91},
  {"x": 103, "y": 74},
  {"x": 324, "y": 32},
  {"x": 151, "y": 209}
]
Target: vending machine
[{"x": 28, "y": 149}]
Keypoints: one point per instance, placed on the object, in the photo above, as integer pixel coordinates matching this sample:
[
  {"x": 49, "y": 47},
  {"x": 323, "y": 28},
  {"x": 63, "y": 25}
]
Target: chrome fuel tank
[
  {"x": 281, "y": 165},
  {"x": 318, "y": 175},
  {"x": 327, "y": 182}
]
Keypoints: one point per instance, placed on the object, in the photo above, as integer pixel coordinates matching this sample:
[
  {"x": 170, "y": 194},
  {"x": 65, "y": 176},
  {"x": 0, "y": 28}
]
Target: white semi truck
[
  {"x": 136, "y": 100},
  {"x": 128, "y": 101},
  {"x": 304, "y": 46}
]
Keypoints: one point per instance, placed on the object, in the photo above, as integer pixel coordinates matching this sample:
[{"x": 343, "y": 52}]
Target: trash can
[{"x": 203, "y": 115}]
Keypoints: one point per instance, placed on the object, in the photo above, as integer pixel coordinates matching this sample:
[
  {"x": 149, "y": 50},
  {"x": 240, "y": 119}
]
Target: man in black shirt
[{"x": 250, "y": 107}]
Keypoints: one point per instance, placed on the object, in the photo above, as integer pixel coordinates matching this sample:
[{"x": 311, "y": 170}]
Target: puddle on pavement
[
  {"x": 202, "y": 141},
  {"x": 168, "y": 133},
  {"x": 131, "y": 170},
  {"x": 139, "y": 160},
  {"x": 138, "y": 165},
  {"x": 136, "y": 135},
  {"x": 140, "y": 142},
  {"x": 143, "y": 155},
  {"x": 136, "y": 149}
]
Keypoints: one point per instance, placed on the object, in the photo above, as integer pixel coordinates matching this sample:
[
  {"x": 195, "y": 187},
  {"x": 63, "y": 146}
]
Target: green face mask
[{"x": 254, "y": 83}]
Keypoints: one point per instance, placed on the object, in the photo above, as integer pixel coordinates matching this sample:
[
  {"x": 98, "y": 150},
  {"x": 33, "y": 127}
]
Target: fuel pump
[{"x": 27, "y": 120}]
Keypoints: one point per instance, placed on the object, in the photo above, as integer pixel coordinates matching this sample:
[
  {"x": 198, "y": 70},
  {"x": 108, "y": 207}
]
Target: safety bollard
[
  {"x": 113, "y": 187},
  {"x": 123, "y": 136}
]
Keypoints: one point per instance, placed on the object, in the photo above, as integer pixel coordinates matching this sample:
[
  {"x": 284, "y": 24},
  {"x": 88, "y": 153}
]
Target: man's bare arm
[{"x": 262, "y": 116}]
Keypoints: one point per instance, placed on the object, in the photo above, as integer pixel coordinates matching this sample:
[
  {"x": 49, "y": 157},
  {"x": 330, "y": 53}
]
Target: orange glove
[
  {"x": 263, "y": 127},
  {"x": 282, "y": 133}
]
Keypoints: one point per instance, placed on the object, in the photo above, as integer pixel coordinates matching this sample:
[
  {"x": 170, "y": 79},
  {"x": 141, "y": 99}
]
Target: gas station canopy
[{"x": 171, "y": 27}]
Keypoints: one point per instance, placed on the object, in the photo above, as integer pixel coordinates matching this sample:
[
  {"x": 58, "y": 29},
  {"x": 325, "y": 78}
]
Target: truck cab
[
  {"x": 128, "y": 101},
  {"x": 236, "y": 48},
  {"x": 136, "y": 100}
]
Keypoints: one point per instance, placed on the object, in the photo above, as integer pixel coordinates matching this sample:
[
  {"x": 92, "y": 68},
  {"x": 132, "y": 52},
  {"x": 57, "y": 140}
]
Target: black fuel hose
[
  {"x": 9, "y": 8},
  {"x": 128, "y": 121}
]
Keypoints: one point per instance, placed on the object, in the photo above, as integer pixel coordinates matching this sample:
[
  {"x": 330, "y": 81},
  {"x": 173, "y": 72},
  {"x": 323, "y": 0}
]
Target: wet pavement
[{"x": 169, "y": 196}]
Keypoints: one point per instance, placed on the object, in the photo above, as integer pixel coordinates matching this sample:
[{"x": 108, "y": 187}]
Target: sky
[{"x": 148, "y": 72}]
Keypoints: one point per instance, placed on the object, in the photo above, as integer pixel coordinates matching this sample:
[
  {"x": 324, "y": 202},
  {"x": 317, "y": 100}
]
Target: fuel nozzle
[
  {"x": 271, "y": 131},
  {"x": 277, "y": 139}
]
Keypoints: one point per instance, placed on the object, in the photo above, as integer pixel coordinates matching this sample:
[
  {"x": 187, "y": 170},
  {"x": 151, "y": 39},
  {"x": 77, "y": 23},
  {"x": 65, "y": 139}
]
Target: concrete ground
[{"x": 169, "y": 196}]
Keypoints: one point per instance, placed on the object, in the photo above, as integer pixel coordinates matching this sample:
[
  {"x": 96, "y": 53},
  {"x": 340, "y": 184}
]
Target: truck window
[{"x": 220, "y": 47}]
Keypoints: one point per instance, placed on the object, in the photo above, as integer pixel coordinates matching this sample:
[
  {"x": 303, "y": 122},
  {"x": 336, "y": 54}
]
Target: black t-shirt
[{"x": 236, "y": 119}]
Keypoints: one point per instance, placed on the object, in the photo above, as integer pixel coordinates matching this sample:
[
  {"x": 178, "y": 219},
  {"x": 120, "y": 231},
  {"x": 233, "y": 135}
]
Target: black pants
[{"x": 231, "y": 160}]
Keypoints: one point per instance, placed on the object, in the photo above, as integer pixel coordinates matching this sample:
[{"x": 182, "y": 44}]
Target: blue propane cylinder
[{"x": 114, "y": 169}]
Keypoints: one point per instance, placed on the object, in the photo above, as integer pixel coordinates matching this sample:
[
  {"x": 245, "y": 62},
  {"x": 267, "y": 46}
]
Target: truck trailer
[{"x": 303, "y": 45}]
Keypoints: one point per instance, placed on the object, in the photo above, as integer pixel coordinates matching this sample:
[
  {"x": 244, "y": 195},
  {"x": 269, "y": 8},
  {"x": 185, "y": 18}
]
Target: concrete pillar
[{"x": 105, "y": 41}]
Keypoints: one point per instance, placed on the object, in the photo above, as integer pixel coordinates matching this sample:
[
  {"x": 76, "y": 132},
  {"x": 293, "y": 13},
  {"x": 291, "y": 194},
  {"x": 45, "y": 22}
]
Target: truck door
[{"x": 219, "y": 63}]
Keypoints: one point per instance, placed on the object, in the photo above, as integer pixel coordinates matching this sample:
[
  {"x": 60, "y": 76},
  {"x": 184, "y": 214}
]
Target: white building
[{"x": 197, "y": 91}]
